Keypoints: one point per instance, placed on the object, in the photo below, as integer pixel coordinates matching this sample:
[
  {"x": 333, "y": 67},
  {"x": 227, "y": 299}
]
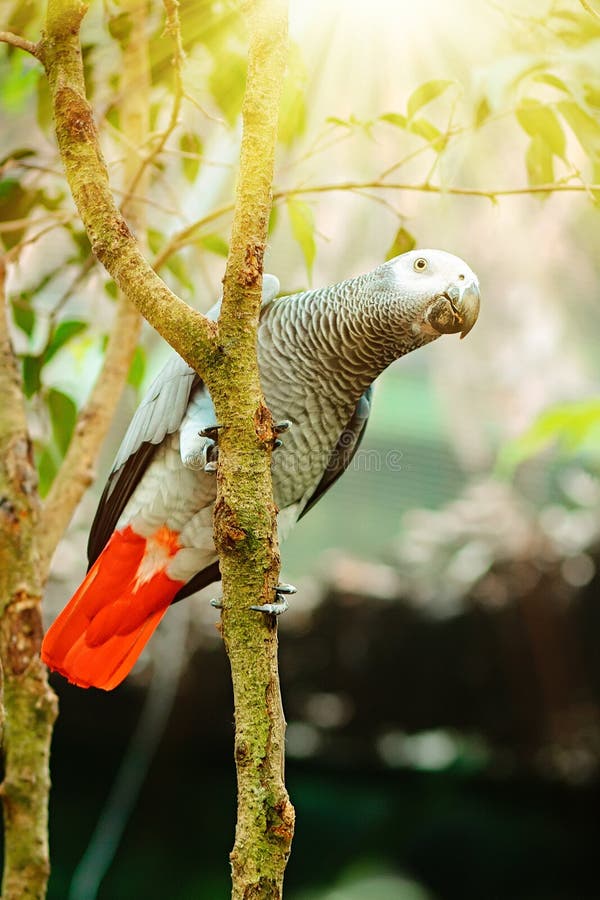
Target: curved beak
[{"x": 455, "y": 310}]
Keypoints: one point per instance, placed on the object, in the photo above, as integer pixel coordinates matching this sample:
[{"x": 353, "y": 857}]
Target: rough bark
[
  {"x": 245, "y": 516},
  {"x": 30, "y": 706}
]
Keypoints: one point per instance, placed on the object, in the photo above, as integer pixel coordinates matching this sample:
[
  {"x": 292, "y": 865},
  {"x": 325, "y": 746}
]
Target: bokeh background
[{"x": 439, "y": 664}]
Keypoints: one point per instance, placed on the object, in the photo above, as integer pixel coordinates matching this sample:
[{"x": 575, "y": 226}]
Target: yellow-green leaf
[
  {"x": 425, "y": 93},
  {"x": 303, "y": 228},
  {"x": 402, "y": 243},
  {"x": 538, "y": 119}
]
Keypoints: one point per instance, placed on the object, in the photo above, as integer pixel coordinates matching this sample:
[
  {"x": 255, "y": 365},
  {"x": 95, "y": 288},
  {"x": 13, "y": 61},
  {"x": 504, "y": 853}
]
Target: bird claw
[
  {"x": 212, "y": 432},
  {"x": 282, "y": 426},
  {"x": 276, "y": 609},
  {"x": 216, "y": 603},
  {"x": 211, "y": 451}
]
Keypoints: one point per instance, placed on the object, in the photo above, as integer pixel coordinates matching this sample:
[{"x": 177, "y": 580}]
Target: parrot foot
[
  {"x": 273, "y": 609},
  {"x": 280, "y": 428},
  {"x": 276, "y": 609},
  {"x": 211, "y": 453},
  {"x": 212, "y": 432}
]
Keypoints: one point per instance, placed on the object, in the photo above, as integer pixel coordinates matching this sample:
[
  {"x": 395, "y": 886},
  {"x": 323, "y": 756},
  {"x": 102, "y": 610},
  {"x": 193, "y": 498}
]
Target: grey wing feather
[
  {"x": 343, "y": 452},
  {"x": 160, "y": 413}
]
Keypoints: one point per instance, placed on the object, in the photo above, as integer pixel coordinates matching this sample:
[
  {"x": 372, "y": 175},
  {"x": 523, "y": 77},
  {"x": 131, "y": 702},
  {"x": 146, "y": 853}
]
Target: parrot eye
[{"x": 420, "y": 264}]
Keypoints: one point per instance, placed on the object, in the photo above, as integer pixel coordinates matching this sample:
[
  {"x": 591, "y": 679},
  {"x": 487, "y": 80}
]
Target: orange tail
[{"x": 99, "y": 635}]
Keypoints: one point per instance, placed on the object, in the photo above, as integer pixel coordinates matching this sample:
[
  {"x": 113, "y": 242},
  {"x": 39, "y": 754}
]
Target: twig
[
  {"x": 7, "y": 37},
  {"x": 186, "y": 235},
  {"x": 173, "y": 29},
  {"x": 590, "y": 9}
]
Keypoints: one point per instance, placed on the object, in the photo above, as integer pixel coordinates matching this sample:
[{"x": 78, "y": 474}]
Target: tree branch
[
  {"x": 187, "y": 330},
  {"x": 590, "y": 9},
  {"x": 172, "y": 28},
  {"x": 186, "y": 235},
  {"x": 29, "y": 703},
  {"x": 7, "y": 37},
  {"x": 93, "y": 421},
  {"x": 245, "y": 514}
]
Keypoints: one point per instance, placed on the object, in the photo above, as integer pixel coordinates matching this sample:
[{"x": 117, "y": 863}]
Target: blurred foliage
[
  {"x": 544, "y": 91},
  {"x": 573, "y": 428}
]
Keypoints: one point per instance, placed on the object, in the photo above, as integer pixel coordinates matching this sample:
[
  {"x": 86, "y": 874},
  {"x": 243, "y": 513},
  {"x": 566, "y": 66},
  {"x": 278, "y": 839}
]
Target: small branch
[
  {"x": 245, "y": 514},
  {"x": 7, "y": 37},
  {"x": 173, "y": 29},
  {"x": 590, "y": 9},
  {"x": 29, "y": 703},
  {"x": 189, "y": 332},
  {"x": 186, "y": 235}
]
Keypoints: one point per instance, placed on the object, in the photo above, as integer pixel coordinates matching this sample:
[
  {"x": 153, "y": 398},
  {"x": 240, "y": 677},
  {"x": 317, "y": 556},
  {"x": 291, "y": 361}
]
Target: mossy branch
[
  {"x": 29, "y": 703},
  {"x": 245, "y": 516}
]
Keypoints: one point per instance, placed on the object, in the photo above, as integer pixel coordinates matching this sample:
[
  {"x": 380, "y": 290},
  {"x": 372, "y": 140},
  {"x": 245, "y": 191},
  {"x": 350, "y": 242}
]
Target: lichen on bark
[{"x": 29, "y": 705}]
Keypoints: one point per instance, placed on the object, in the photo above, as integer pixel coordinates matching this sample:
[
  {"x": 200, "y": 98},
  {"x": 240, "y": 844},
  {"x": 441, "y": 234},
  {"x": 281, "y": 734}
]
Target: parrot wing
[
  {"x": 160, "y": 413},
  {"x": 343, "y": 452}
]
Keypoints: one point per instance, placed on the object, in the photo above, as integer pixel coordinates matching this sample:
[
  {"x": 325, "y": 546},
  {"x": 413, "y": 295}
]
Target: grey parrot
[{"x": 319, "y": 353}]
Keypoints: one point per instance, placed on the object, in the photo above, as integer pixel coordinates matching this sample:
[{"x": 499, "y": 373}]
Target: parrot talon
[
  {"x": 273, "y": 609},
  {"x": 211, "y": 467},
  {"x": 212, "y": 432},
  {"x": 282, "y": 426},
  {"x": 276, "y": 609},
  {"x": 277, "y": 444},
  {"x": 216, "y": 603}
]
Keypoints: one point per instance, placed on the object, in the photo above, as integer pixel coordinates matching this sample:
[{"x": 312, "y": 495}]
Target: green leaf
[
  {"x": 427, "y": 130},
  {"x": 190, "y": 143},
  {"x": 24, "y": 316},
  {"x": 215, "y": 244},
  {"x": 303, "y": 228},
  {"x": 32, "y": 372},
  {"x": 63, "y": 415},
  {"x": 111, "y": 289},
  {"x": 47, "y": 469},
  {"x": 156, "y": 240},
  {"x": 227, "y": 82},
  {"x": 44, "y": 102},
  {"x": 482, "y": 112},
  {"x": 273, "y": 218},
  {"x": 178, "y": 268},
  {"x": 19, "y": 83},
  {"x": 63, "y": 333},
  {"x": 393, "y": 118},
  {"x": 137, "y": 370},
  {"x": 552, "y": 80},
  {"x": 425, "y": 93},
  {"x": 585, "y": 128},
  {"x": 402, "y": 243},
  {"x": 335, "y": 120},
  {"x": 292, "y": 110},
  {"x": 538, "y": 119},
  {"x": 539, "y": 162},
  {"x": 574, "y": 427}
]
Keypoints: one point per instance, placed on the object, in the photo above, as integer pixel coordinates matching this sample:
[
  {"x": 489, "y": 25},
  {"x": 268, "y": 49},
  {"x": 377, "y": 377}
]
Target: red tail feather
[{"x": 99, "y": 635}]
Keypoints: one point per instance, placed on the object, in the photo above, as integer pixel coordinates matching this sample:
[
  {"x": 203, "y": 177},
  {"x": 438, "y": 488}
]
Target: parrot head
[{"x": 442, "y": 287}]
